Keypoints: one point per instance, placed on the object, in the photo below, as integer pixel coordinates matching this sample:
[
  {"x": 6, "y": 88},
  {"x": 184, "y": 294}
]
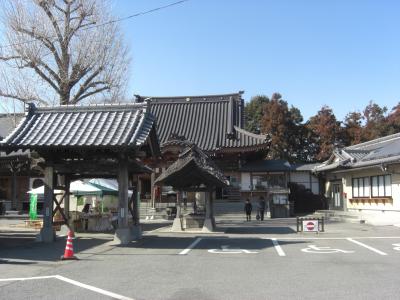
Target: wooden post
[
  {"x": 177, "y": 224},
  {"x": 153, "y": 196},
  {"x": 178, "y": 204},
  {"x": 212, "y": 198},
  {"x": 14, "y": 190},
  {"x": 123, "y": 195},
  {"x": 136, "y": 230},
  {"x": 47, "y": 233},
  {"x": 123, "y": 233},
  {"x": 208, "y": 221},
  {"x": 67, "y": 182}
]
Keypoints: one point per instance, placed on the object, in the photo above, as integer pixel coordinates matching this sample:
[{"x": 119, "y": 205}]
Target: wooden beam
[{"x": 122, "y": 194}]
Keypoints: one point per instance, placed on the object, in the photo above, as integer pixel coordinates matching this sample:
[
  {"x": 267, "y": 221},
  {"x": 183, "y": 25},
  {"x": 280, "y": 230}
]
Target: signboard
[
  {"x": 33, "y": 207},
  {"x": 310, "y": 225}
]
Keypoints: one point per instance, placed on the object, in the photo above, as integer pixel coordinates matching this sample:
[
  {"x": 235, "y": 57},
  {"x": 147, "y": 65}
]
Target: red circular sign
[{"x": 310, "y": 226}]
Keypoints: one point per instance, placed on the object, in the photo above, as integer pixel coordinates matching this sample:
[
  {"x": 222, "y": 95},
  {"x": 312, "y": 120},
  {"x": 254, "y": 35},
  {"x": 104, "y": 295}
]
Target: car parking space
[
  {"x": 155, "y": 245},
  {"x": 294, "y": 247},
  {"x": 231, "y": 246},
  {"x": 42, "y": 287},
  {"x": 389, "y": 245},
  {"x": 213, "y": 259}
]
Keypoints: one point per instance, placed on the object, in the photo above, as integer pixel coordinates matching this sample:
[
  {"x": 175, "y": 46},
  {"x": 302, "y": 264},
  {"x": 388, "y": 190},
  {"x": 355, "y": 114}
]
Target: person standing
[
  {"x": 261, "y": 207},
  {"x": 247, "y": 209}
]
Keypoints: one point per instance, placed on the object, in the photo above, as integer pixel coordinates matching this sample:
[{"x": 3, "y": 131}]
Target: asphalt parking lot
[{"x": 257, "y": 261}]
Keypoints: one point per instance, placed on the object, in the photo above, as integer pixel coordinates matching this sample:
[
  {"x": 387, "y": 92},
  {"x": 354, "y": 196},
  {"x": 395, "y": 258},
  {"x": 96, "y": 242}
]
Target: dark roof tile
[
  {"x": 81, "y": 126},
  {"x": 211, "y": 122}
]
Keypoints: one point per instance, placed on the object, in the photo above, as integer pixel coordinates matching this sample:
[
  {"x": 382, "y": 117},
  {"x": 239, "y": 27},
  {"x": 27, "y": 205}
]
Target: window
[
  {"x": 361, "y": 187},
  {"x": 381, "y": 186},
  {"x": 264, "y": 181}
]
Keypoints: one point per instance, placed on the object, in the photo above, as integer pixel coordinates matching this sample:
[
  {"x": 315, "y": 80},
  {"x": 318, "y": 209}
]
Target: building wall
[
  {"x": 302, "y": 178},
  {"x": 21, "y": 190},
  {"x": 306, "y": 179},
  {"x": 373, "y": 208}
]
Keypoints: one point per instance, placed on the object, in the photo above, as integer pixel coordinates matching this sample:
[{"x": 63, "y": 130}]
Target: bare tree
[{"x": 61, "y": 52}]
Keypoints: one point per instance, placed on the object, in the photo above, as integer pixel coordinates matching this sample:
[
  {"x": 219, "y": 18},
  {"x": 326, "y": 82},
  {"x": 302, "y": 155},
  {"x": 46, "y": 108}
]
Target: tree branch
[
  {"x": 85, "y": 85},
  {"x": 7, "y": 58},
  {"x": 90, "y": 94},
  {"x": 42, "y": 75},
  {"x": 45, "y": 7},
  {"x": 22, "y": 99},
  {"x": 46, "y": 42}
]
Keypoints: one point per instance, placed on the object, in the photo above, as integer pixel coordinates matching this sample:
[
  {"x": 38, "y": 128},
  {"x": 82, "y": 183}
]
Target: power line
[
  {"x": 138, "y": 14},
  {"x": 110, "y": 22}
]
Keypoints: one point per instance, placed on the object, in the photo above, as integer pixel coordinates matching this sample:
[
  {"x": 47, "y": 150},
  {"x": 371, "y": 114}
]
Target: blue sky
[
  {"x": 340, "y": 53},
  {"x": 337, "y": 53}
]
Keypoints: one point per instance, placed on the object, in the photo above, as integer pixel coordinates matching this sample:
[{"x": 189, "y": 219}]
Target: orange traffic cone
[{"x": 69, "y": 248}]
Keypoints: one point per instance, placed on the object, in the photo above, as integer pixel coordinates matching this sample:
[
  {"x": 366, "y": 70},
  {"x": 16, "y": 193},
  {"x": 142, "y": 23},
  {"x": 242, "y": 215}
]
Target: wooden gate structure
[
  {"x": 193, "y": 171},
  {"x": 96, "y": 141}
]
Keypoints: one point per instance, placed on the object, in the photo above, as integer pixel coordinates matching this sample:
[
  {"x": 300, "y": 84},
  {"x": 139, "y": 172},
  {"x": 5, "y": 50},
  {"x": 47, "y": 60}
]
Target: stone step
[{"x": 338, "y": 216}]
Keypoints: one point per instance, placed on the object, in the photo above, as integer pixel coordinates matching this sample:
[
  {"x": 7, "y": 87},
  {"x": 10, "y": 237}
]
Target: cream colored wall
[{"x": 346, "y": 179}]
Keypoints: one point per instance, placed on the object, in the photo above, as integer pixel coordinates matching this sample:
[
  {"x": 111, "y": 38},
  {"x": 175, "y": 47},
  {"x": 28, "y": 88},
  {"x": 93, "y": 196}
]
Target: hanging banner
[{"x": 33, "y": 207}]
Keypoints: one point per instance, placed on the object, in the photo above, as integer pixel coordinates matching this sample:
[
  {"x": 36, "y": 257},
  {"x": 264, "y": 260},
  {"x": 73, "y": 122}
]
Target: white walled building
[{"x": 365, "y": 179}]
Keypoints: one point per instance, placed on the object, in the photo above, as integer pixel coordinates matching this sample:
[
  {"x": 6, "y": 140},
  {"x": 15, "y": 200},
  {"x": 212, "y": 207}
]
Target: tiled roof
[
  {"x": 102, "y": 126},
  {"x": 211, "y": 122},
  {"x": 304, "y": 167},
  {"x": 375, "y": 152},
  {"x": 275, "y": 165},
  {"x": 192, "y": 169}
]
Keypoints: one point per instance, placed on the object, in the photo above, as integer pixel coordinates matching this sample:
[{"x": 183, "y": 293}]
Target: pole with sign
[{"x": 310, "y": 224}]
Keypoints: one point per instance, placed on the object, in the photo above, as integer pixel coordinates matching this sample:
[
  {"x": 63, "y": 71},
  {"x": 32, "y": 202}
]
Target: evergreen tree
[
  {"x": 353, "y": 128},
  {"x": 284, "y": 127},
  {"x": 253, "y": 112}
]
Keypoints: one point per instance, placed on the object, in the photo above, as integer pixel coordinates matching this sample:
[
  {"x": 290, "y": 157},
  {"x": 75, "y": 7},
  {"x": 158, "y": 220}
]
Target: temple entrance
[{"x": 337, "y": 200}]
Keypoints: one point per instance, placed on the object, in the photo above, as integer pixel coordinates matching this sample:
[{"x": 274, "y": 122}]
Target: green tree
[
  {"x": 353, "y": 128},
  {"x": 305, "y": 144},
  {"x": 284, "y": 127},
  {"x": 254, "y": 111}
]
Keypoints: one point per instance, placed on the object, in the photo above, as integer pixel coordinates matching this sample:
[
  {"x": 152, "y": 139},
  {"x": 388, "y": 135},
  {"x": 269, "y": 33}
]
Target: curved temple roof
[
  {"x": 192, "y": 169},
  {"x": 213, "y": 122},
  {"x": 94, "y": 126},
  {"x": 375, "y": 152}
]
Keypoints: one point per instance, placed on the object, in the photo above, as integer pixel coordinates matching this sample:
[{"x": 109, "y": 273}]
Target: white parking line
[
  {"x": 278, "y": 248},
  {"x": 191, "y": 246},
  {"x": 74, "y": 282},
  {"x": 26, "y": 278},
  {"x": 337, "y": 238},
  {"x": 366, "y": 246},
  {"x": 92, "y": 288}
]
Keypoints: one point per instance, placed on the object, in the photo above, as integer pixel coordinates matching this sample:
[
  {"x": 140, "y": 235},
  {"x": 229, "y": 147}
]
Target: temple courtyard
[{"x": 241, "y": 260}]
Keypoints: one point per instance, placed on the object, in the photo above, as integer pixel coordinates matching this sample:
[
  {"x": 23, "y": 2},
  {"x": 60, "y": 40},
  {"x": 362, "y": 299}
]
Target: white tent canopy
[
  {"x": 40, "y": 191},
  {"x": 79, "y": 186},
  {"x": 76, "y": 187}
]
